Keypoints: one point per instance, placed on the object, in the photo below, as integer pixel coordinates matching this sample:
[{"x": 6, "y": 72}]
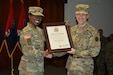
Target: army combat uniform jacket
[
  {"x": 86, "y": 41},
  {"x": 32, "y": 44}
]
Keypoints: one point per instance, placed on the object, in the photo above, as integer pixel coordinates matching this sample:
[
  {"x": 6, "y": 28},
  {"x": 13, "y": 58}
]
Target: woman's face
[
  {"x": 35, "y": 20},
  {"x": 81, "y": 18}
]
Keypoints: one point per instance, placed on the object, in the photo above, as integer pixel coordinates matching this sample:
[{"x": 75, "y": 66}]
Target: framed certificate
[{"x": 57, "y": 36}]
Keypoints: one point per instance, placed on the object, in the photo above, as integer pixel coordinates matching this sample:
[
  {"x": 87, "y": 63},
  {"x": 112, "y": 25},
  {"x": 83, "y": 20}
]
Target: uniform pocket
[{"x": 31, "y": 67}]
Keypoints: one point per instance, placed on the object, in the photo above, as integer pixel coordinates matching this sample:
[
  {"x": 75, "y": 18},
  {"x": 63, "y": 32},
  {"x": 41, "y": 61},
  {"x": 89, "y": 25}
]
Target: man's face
[
  {"x": 81, "y": 18},
  {"x": 35, "y": 19}
]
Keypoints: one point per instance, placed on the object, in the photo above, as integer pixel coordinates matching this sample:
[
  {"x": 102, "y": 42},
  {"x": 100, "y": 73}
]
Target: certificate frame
[{"x": 58, "y": 37}]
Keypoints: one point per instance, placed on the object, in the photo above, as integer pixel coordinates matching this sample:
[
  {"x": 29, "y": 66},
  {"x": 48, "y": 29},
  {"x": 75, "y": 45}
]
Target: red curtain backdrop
[
  {"x": 22, "y": 18},
  {"x": 9, "y": 20}
]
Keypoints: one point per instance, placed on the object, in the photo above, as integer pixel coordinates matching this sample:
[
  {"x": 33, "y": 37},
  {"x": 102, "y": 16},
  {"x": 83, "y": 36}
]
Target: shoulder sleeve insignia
[{"x": 96, "y": 38}]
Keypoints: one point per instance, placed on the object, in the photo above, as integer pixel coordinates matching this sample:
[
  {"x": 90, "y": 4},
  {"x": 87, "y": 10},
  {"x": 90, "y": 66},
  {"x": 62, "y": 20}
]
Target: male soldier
[
  {"x": 32, "y": 43},
  {"x": 86, "y": 42}
]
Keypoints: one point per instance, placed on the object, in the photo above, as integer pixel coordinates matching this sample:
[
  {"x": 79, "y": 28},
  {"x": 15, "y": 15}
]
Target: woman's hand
[
  {"x": 67, "y": 23},
  {"x": 48, "y": 55},
  {"x": 72, "y": 51}
]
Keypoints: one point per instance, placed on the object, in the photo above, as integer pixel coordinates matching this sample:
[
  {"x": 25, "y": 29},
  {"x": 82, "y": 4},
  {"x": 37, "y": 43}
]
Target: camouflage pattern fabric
[
  {"x": 86, "y": 42},
  {"x": 32, "y": 43}
]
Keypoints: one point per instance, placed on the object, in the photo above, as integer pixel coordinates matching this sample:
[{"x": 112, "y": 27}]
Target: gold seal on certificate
[{"x": 58, "y": 37}]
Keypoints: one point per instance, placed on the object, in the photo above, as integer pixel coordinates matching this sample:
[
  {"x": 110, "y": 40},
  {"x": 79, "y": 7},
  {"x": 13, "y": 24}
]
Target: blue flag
[{"x": 12, "y": 38}]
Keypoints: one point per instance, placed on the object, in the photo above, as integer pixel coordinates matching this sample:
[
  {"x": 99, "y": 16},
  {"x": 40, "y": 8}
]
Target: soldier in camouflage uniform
[
  {"x": 32, "y": 43},
  {"x": 86, "y": 42},
  {"x": 109, "y": 55}
]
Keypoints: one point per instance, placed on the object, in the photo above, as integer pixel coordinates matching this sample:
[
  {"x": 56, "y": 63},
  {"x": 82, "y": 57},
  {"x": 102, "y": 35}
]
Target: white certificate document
[{"x": 58, "y": 37}]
